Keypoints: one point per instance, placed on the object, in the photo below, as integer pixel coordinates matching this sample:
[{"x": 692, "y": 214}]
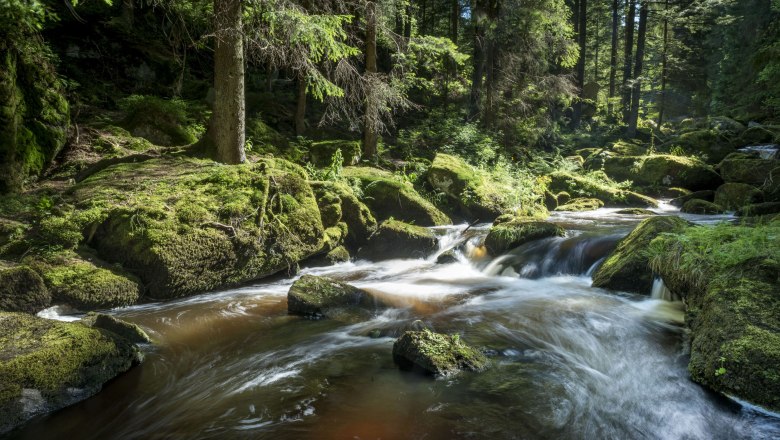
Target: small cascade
[
  {"x": 661, "y": 292},
  {"x": 461, "y": 238}
]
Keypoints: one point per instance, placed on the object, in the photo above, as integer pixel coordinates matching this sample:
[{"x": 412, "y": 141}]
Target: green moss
[
  {"x": 590, "y": 187},
  {"x": 759, "y": 209},
  {"x": 581, "y": 204},
  {"x": 322, "y": 297},
  {"x": 628, "y": 148},
  {"x": 22, "y": 290},
  {"x": 733, "y": 196},
  {"x": 509, "y": 235},
  {"x": 663, "y": 171},
  {"x": 163, "y": 122},
  {"x": 389, "y": 197},
  {"x": 635, "y": 211},
  {"x": 627, "y": 268},
  {"x": 321, "y": 152},
  {"x": 436, "y": 354},
  {"x": 130, "y": 332},
  {"x": 395, "y": 239},
  {"x": 697, "y": 206},
  {"x": 744, "y": 168},
  {"x": 707, "y": 195}
]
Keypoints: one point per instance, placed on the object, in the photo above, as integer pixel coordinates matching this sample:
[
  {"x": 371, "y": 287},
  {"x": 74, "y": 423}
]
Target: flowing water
[{"x": 567, "y": 360}]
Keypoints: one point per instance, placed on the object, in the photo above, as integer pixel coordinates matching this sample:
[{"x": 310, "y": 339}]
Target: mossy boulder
[
  {"x": 322, "y": 152},
  {"x": 697, "y": 206},
  {"x": 746, "y": 168},
  {"x": 758, "y": 135},
  {"x": 581, "y": 204},
  {"x": 729, "y": 277},
  {"x": 389, "y": 197},
  {"x": 34, "y": 114},
  {"x": 508, "y": 235},
  {"x": 627, "y": 268},
  {"x": 436, "y": 354},
  {"x": 663, "y": 170},
  {"x": 186, "y": 226},
  {"x": 635, "y": 211},
  {"x": 395, "y": 239},
  {"x": 322, "y": 297},
  {"x": 706, "y": 195},
  {"x": 575, "y": 185},
  {"x": 264, "y": 138},
  {"x": 758, "y": 209},
  {"x": 474, "y": 194},
  {"x": 46, "y": 365},
  {"x": 123, "y": 329},
  {"x": 338, "y": 203},
  {"x": 628, "y": 148},
  {"x": 708, "y": 143},
  {"x": 733, "y": 196},
  {"x": 160, "y": 121},
  {"x": 22, "y": 290}
]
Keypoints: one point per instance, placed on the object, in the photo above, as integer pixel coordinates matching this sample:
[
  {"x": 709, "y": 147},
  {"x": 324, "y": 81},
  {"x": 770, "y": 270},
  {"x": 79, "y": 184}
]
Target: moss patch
[
  {"x": 322, "y": 297},
  {"x": 322, "y": 152},
  {"x": 395, "y": 239},
  {"x": 733, "y": 196},
  {"x": 436, "y": 354},
  {"x": 583, "y": 186},
  {"x": 581, "y": 204},
  {"x": 663, "y": 171},
  {"x": 22, "y": 290},
  {"x": 696, "y": 206},
  {"x": 509, "y": 235},
  {"x": 745, "y": 168}
]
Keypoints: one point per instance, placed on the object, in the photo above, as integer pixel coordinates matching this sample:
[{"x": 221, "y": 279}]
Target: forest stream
[{"x": 567, "y": 360}]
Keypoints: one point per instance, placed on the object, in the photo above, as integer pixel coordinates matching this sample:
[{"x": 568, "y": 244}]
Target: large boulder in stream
[
  {"x": 436, "y": 354},
  {"x": 729, "y": 277},
  {"x": 749, "y": 169},
  {"x": 627, "y": 268},
  {"x": 22, "y": 290},
  {"x": 322, "y": 297},
  {"x": 663, "y": 171},
  {"x": 474, "y": 194},
  {"x": 702, "y": 207},
  {"x": 395, "y": 239},
  {"x": 508, "y": 235},
  {"x": 733, "y": 196},
  {"x": 389, "y": 197},
  {"x": 581, "y": 186},
  {"x": 46, "y": 365},
  {"x": 186, "y": 226},
  {"x": 339, "y": 204}
]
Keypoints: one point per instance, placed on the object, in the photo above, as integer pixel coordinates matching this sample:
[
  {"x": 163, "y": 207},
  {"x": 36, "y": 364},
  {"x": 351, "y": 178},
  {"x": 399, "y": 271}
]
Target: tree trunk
[
  {"x": 664, "y": 60},
  {"x": 475, "y": 96},
  {"x": 454, "y": 20},
  {"x": 582, "y": 16},
  {"x": 613, "y": 56},
  {"x": 628, "y": 58},
  {"x": 369, "y": 127},
  {"x": 637, "y": 86},
  {"x": 300, "y": 109},
  {"x": 226, "y": 128}
]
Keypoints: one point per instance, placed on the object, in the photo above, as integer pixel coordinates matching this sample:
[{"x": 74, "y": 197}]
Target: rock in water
[
  {"x": 322, "y": 297},
  {"x": 126, "y": 330},
  {"x": 22, "y": 290},
  {"x": 436, "y": 354},
  {"x": 697, "y": 206},
  {"x": 46, "y": 365},
  {"x": 396, "y": 239},
  {"x": 509, "y": 235}
]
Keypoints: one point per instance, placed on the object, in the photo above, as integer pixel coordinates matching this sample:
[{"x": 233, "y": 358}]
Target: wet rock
[
  {"x": 707, "y": 195},
  {"x": 447, "y": 257},
  {"x": 46, "y": 365},
  {"x": 338, "y": 203},
  {"x": 436, "y": 354},
  {"x": 759, "y": 209},
  {"x": 733, "y": 196},
  {"x": 749, "y": 169},
  {"x": 581, "y": 204},
  {"x": 388, "y": 198},
  {"x": 627, "y": 267},
  {"x": 22, "y": 290},
  {"x": 395, "y": 239},
  {"x": 759, "y": 134},
  {"x": 123, "y": 329},
  {"x": 697, "y": 206},
  {"x": 561, "y": 181},
  {"x": 509, "y": 235},
  {"x": 322, "y": 297},
  {"x": 635, "y": 211},
  {"x": 711, "y": 144},
  {"x": 663, "y": 170}
]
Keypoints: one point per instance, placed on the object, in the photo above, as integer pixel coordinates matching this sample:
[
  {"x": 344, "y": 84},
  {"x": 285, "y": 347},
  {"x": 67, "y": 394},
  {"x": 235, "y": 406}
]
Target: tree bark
[
  {"x": 226, "y": 128},
  {"x": 613, "y": 56},
  {"x": 475, "y": 97},
  {"x": 628, "y": 58},
  {"x": 633, "y": 118},
  {"x": 664, "y": 61},
  {"x": 300, "y": 109},
  {"x": 369, "y": 124},
  {"x": 582, "y": 18}
]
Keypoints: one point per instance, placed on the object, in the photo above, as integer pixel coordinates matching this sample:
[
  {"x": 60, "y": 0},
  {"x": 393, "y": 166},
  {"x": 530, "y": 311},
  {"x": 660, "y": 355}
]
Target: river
[{"x": 567, "y": 361}]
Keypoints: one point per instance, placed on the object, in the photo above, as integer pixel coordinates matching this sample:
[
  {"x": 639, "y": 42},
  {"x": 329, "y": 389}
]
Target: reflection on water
[{"x": 567, "y": 361}]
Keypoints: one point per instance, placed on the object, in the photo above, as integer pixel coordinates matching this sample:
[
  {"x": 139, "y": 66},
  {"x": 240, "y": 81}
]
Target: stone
[
  {"x": 395, "y": 239},
  {"x": 22, "y": 290},
  {"x": 436, "y": 354},
  {"x": 322, "y": 297},
  {"x": 509, "y": 235},
  {"x": 696, "y": 206},
  {"x": 733, "y": 196}
]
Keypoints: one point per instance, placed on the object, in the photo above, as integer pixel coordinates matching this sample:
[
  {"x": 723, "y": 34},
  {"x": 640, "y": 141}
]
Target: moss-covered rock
[
  {"x": 733, "y": 196},
  {"x": 322, "y": 297},
  {"x": 395, "y": 239},
  {"x": 663, "y": 170},
  {"x": 34, "y": 114},
  {"x": 130, "y": 332},
  {"x": 509, "y": 235},
  {"x": 697, "y": 206},
  {"x": 436, "y": 354},
  {"x": 635, "y": 211},
  {"x": 746, "y": 168},
  {"x": 708, "y": 143},
  {"x": 160, "y": 121},
  {"x": 475, "y": 195},
  {"x": 322, "y": 152},
  {"x": 706, "y": 195},
  {"x": 22, "y": 290},
  {"x": 758, "y": 134},
  {"x": 350, "y": 210},
  {"x": 390, "y": 197},
  {"x": 581, "y": 204},
  {"x": 627, "y": 268},
  {"x": 186, "y": 226},
  {"x": 46, "y": 365},
  {"x": 583, "y": 186},
  {"x": 758, "y": 209},
  {"x": 729, "y": 277}
]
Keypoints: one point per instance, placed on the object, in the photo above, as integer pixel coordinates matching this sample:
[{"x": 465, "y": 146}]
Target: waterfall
[{"x": 661, "y": 292}]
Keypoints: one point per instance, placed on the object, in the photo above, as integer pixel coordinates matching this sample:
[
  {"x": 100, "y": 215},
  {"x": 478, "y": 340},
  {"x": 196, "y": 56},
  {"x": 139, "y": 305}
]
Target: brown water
[{"x": 568, "y": 361}]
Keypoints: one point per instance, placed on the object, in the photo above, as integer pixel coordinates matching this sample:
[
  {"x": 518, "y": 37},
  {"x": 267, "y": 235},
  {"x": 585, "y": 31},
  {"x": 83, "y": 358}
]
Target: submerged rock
[
  {"x": 508, "y": 235},
  {"x": 436, "y": 354},
  {"x": 627, "y": 267},
  {"x": 388, "y": 197},
  {"x": 635, "y": 211},
  {"x": 697, "y": 206},
  {"x": 395, "y": 239},
  {"x": 322, "y": 297},
  {"x": 733, "y": 196},
  {"x": 126, "y": 330},
  {"x": 22, "y": 290},
  {"x": 46, "y": 365}
]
